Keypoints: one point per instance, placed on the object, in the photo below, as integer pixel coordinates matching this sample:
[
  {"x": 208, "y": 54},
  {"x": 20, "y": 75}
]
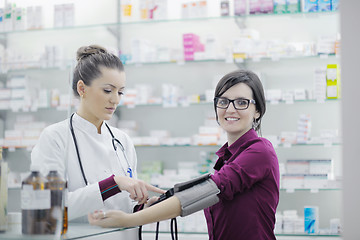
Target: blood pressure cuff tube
[{"x": 198, "y": 197}]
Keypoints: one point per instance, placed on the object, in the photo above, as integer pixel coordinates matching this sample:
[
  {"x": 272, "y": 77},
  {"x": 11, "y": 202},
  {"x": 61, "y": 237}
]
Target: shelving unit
[{"x": 282, "y": 73}]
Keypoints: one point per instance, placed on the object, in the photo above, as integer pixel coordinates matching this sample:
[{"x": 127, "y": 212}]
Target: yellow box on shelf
[
  {"x": 333, "y": 81},
  {"x": 239, "y": 56}
]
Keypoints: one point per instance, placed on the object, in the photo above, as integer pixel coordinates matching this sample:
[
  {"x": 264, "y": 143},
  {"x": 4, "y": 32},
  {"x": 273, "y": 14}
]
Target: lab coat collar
[{"x": 86, "y": 126}]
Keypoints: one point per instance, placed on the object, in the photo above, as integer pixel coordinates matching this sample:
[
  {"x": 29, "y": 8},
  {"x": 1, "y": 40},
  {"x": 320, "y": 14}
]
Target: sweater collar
[{"x": 251, "y": 134}]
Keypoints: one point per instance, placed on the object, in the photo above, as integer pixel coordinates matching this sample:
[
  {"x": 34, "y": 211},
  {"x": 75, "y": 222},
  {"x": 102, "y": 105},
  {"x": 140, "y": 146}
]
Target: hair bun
[{"x": 86, "y": 51}]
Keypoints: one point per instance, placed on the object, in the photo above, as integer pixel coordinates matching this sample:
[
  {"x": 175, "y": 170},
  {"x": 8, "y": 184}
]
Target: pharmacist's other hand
[
  {"x": 138, "y": 189},
  {"x": 109, "y": 219},
  {"x": 151, "y": 201}
]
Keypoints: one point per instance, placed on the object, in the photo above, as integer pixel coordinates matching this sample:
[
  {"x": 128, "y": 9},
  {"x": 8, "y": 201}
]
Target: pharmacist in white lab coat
[{"x": 100, "y": 160}]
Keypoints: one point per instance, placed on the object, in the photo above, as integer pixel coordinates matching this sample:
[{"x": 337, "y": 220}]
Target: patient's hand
[{"x": 109, "y": 219}]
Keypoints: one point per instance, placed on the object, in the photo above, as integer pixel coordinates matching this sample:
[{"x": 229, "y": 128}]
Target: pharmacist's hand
[
  {"x": 112, "y": 218},
  {"x": 150, "y": 201},
  {"x": 138, "y": 189}
]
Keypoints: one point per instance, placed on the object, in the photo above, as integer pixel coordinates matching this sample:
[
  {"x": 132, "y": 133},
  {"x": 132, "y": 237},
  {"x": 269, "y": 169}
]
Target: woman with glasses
[
  {"x": 99, "y": 161},
  {"x": 246, "y": 174}
]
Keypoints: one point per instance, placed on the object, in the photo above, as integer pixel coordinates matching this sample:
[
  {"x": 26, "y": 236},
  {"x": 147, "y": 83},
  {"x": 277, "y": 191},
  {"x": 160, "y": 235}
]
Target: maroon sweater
[{"x": 249, "y": 183}]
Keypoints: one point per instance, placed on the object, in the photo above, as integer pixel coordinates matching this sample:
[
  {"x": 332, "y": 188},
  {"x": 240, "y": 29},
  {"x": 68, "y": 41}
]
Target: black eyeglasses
[{"x": 239, "y": 103}]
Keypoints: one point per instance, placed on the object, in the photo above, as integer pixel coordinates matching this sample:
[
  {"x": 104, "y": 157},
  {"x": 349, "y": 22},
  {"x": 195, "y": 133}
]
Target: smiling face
[
  {"x": 99, "y": 100},
  {"x": 237, "y": 122}
]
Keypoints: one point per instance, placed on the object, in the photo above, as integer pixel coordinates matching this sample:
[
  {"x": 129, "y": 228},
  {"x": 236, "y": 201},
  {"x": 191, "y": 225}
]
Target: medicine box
[
  {"x": 311, "y": 5},
  {"x": 266, "y": 6},
  {"x": 334, "y": 5},
  {"x": 293, "y": 181},
  {"x": 254, "y": 6},
  {"x": 311, "y": 219},
  {"x": 279, "y": 6},
  {"x": 324, "y": 5},
  {"x": 332, "y": 81},
  {"x": 315, "y": 181},
  {"x": 309, "y": 166},
  {"x": 293, "y": 6},
  {"x": 239, "y": 7}
]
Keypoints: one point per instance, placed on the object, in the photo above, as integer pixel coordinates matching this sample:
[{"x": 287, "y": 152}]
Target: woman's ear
[
  {"x": 80, "y": 86},
  {"x": 257, "y": 114}
]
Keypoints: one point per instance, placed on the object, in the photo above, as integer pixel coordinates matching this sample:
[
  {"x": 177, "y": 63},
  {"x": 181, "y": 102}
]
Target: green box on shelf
[
  {"x": 279, "y": 6},
  {"x": 293, "y": 6}
]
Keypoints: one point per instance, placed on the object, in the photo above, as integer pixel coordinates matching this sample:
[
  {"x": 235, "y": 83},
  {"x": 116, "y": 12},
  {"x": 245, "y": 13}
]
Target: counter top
[{"x": 76, "y": 231}]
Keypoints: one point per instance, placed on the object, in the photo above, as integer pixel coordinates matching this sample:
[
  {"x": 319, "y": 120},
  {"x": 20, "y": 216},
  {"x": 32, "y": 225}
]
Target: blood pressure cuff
[{"x": 196, "y": 194}]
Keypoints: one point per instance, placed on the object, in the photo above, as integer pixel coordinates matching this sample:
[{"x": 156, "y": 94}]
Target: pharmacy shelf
[
  {"x": 241, "y": 60},
  {"x": 279, "y": 234},
  {"x": 282, "y": 189},
  {"x": 35, "y": 110},
  {"x": 287, "y": 190},
  {"x": 314, "y": 190},
  {"x": 118, "y": 24},
  {"x": 11, "y": 149},
  {"x": 308, "y": 235},
  {"x": 20, "y": 66},
  {"x": 9, "y": 67},
  {"x": 181, "y": 105},
  {"x": 29, "y": 148},
  {"x": 200, "y": 146}
]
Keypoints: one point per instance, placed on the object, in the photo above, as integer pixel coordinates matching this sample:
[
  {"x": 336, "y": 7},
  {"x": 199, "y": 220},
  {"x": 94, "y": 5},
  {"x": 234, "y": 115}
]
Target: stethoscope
[{"x": 114, "y": 142}]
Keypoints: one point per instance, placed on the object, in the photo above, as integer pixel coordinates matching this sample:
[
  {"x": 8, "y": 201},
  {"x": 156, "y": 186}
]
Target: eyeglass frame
[{"x": 216, "y": 99}]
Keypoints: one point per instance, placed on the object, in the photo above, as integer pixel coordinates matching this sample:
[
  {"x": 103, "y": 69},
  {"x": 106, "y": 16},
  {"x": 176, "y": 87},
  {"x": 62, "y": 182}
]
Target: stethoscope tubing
[
  {"x": 77, "y": 149},
  {"x": 114, "y": 141}
]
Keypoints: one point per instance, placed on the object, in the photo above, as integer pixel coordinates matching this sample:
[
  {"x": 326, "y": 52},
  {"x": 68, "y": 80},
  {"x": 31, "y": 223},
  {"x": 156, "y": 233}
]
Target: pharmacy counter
[{"x": 78, "y": 231}]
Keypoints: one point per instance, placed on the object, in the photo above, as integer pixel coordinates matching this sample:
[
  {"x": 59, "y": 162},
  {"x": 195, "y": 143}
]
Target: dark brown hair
[
  {"x": 89, "y": 60},
  {"x": 250, "y": 79}
]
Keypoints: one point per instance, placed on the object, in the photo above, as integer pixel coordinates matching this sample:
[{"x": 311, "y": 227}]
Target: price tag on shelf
[
  {"x": 328, "y": 144},
  {"x": 290, "y": 190},
  {"x": 287, "y": 145},
  {"x": 15, "y": 109},
  {"x": 238, "y": 60},
  {"x": 29, "y": 148},
  {"x": 289, "y": 101},
  {"x": 275, "y": 58},
  {"x": 320, "y": 100},
  {"x": 34, "y": 108},
  {"x": 314, "y": 190},
  {"x": 324, "y": 56},
  {"x": 274, "y": 102},
  {"x": 185, "y": 104},
  {"x": 256, "y": 59},
  {"x": 181, "y": 62},
  {"x": 11, "y": 149}
]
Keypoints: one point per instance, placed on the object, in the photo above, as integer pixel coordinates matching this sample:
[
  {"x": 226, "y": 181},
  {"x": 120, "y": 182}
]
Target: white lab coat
[{"x": 98, "y": 159}]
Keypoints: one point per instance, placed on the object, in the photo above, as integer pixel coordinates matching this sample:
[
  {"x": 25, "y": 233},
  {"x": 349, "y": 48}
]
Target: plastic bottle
[
  {"x": 57, "y": 187},
  {"x": 65, "y": 214},
  {"x": 35, "y": 203}
]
